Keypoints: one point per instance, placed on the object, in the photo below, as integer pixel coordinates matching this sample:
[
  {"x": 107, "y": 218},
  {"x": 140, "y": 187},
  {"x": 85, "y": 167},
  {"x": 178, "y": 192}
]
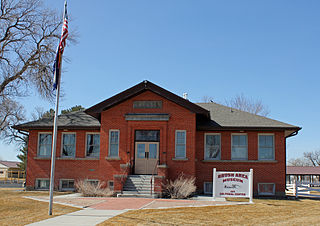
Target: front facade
[
  {"x": 10, "y": 170},
  {"x": 149, "y": 130}
]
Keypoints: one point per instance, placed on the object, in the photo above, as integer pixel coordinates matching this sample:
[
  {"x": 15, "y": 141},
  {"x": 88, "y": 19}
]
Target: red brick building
[{"x": 147, "y": 130}]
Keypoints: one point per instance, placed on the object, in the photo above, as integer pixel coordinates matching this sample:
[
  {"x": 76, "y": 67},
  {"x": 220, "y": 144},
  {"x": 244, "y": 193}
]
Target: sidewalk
[{"x": 97, "y": 210}]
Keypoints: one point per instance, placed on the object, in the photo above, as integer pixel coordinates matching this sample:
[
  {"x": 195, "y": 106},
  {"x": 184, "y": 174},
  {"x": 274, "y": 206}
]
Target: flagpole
[
  {"x": 55, "y": 123},
  {"x": 54, "y": 144}
]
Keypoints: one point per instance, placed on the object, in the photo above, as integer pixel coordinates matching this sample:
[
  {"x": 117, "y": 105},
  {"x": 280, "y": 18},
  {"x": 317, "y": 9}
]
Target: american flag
[{"x": 62, "y": 44}]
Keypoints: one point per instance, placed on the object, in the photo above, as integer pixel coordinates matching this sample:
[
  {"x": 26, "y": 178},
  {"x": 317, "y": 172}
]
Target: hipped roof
[{"x": 210, "y": 116}]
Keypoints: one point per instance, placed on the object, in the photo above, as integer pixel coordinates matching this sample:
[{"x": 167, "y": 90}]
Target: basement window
[
  {"x": 207, "y": 188},
  {"x": 266, "y": 188},
  {"x": 42, "y": 184},
  {"x": 111, "y": 185},
  {"x": 67, "y": 185}
]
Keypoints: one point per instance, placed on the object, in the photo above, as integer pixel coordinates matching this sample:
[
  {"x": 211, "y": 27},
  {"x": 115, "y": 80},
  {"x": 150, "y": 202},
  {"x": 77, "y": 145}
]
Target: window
[
  {"x": 266, "y": 147},
  {"x": 42, "y": 184},
  {"x": 69, "y": 145},
  {"x": 66, "y": 184},
  {"x": 1, "y": 172},
  {"x": 180, "y": 144},
  {"x": 114, "y": 143},
  {"x": 266, "y": 188},
  {"x": 93, "y": 145},
  {"x": 239, "y": 147},
  {"x": 212, "y": 146},
  {"x": 92, "y": 181},
  {"x": 111, "y": 185},
  {"x": 44, "y": 144},
  {"x": 207, "y": 188}
]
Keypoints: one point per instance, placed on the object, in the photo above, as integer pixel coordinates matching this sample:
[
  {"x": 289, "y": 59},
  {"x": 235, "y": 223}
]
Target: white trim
[
  {"x": 239, "y": 134},
  {"x": 113, "y": 130},
  {"x": 185, "y": 144},
  {"x": 36, "y": 184},
  {"x": 204, "y": 146},
  {"x": 75, "y": 144},
  {"x": 38, "y": 147},
  {"x": 273, "y": 148},
  {"x": 209, "y": 192},
  {"x": 66, "y": 189},
  {"x": 266, "y": 193},
  {"x": 109, "y": 181},
  {"x": 86, "y": 145}
]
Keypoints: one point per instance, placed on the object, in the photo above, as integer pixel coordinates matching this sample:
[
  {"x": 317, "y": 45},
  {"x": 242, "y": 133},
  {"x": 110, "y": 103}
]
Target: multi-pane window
[
  {"x": 239, "y": 147},
  {"x": 42, "y": 183},
  {"x": 66, "y": 185},
  {"x": 266, "y": 147},
  {"x": 212, "y": 146},
  {"x": 44, "y": 144},
  {"x": 93, "y": 145},
  {"x": 180, "y": 144},
  {"x": 113, "y": 143},
  {"x": 207, "y": 188},
  {"x": 69, "y": 145}
]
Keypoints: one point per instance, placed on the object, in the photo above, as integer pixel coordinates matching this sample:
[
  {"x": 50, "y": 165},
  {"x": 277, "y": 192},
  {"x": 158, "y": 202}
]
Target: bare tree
[
  {"x": 298, "y": 162},
  {"x": 313, "y": 157},
  {"x": 251, "y": 105},
  {"x": 29, "y": 35}
]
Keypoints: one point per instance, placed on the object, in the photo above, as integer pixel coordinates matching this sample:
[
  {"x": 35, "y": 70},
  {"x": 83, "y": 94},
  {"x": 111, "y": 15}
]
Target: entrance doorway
[
  {"x": 146, "y": 157},
  {"x": 146, "y": 151}
]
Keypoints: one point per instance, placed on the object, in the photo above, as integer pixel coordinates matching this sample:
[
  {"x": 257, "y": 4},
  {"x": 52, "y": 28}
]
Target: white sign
[{"x": 232, "y": 184}]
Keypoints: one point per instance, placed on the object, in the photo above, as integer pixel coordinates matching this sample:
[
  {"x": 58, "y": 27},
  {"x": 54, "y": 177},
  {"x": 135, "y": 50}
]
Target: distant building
[
  {"x": 303, "y": 174},
  {"x": 9, "y": 170},
  {"x": 147, "y": 130}
]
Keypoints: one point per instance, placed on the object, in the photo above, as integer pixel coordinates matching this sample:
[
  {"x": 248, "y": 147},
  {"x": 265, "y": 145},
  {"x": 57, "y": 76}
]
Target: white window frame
[
  {"x": 75, "y": 144},
  {"x": 266, "y": 193},
  {"x": 36, "y": 184},
  {"x": 66, "y": 189},
  {"x": 185, "y": 145},
  {"x": 204, "y": 188},
  {"x": 92, "y": 180},
  {"x": 238, "y": 134},
  {"x": 109, "y": 186},
  {"x": 91, "y": 133},
  {"x": 273, "y": 151},
  {"x": 205, "y": 143},
  {"x": 38, "y": 149},
  {"x": 109, "y": 144}
]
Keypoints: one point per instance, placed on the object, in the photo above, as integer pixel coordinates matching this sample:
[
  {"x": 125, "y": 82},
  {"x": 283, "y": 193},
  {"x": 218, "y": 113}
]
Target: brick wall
[
  {"x": 263, "y": 171},
  {"x": 106, "y": 169}
]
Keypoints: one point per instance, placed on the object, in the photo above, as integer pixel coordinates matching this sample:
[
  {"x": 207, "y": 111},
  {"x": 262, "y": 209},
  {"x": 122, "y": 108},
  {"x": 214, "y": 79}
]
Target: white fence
[{"x": 304, "y": 189}]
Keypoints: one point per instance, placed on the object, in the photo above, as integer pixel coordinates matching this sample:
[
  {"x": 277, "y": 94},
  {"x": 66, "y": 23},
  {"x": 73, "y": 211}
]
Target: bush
[
  {"x": 89, "y": 189},
  {"x": 180, "y": 188}
]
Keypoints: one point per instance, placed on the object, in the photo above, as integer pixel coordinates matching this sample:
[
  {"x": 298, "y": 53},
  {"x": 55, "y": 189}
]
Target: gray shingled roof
[
  {"x": 223, "y": 116},
  {"x": 73, "y": 120}
]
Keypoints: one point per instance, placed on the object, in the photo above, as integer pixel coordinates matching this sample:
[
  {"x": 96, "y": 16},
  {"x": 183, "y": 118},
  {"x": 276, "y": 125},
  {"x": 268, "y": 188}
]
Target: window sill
[
  {"x": 113, "y": 158},
  {"x": 253, "y": 161},
  {"x": 180, "y": 159},
  {"x": 42, "y": 158},
  {"x": 64, "y": 158}
]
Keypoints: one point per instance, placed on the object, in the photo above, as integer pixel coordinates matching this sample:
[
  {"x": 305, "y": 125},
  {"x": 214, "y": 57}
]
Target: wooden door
[{"x": 146, "y": 157}]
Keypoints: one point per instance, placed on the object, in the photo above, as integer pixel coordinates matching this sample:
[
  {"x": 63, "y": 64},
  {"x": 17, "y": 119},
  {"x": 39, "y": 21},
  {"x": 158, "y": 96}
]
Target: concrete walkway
[
  {"x": 85, "y": 217},
  {"x": 97, "y": 210}
]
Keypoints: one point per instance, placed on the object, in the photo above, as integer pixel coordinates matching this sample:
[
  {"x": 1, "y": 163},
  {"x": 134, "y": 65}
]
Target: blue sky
[{"x": 267, "y": 50}]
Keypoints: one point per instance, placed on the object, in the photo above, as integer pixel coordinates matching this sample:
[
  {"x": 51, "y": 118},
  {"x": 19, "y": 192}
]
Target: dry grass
[
  {"x": 263, "y": 212},
  {"x": 16, "y": 210}
]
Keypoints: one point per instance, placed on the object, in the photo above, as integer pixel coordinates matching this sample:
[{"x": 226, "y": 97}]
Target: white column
[{"x": 214, "y": 184}]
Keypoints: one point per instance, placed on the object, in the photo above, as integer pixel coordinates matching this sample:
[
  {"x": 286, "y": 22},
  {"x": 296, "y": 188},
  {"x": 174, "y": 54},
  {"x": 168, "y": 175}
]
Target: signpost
[{"x": 232, "y": 184}]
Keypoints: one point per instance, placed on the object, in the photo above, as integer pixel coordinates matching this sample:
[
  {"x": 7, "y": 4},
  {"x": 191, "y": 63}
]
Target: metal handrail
[{"x": 152, "y": 175}]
